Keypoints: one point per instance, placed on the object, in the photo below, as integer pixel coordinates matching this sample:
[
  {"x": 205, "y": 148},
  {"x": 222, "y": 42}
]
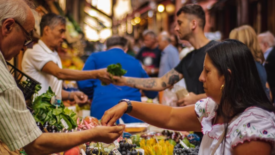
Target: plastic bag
[{"x": 171, "y": 96}]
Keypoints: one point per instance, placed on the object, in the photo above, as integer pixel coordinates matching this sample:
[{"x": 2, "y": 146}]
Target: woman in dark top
[{"x": 247, "y": 35}]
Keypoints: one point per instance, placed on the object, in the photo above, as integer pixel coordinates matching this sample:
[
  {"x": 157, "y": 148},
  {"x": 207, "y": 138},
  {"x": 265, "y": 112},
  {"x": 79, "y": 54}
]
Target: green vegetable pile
[
  {"x": 44, "y": 111},
  {"x": 116, "y": 70}
]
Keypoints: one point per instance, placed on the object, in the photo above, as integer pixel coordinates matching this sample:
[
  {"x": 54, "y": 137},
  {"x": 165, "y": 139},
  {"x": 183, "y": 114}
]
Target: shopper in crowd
[
  {"x": 137, "y": 45},
  {"x": 247, "y": 35},
  {"x": 43, "y": 63},
  {"x": 236, "y": 118},
  {"x": 130, "y": 46},
  {"x": 267, "y": 44},
  {"x": 190, "y": 25},
  {"x": 150, "y": 54},
  {"x": 18, "y": 128},
  {"x": 169, "y": 56},
  {"x": 105, "y": 97},
  {"x": 174, "y": 40}
]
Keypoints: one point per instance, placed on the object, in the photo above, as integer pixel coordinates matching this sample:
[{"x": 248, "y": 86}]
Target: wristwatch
[{"x": 129, "y": 105}]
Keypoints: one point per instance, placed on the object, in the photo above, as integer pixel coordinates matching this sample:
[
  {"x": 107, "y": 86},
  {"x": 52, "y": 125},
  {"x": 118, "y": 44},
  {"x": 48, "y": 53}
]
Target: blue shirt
[
  {"x": 105, "y": 97},
  {"x": 169, "y": 59}
]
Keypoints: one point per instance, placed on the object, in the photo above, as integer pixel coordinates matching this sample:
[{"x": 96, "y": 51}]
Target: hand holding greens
[{"x": 116, "y": 70}]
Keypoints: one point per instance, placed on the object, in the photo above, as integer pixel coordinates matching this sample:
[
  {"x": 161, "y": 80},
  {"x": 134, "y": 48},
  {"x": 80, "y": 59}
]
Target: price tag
[
  {"x": 116, "y": 143},
  {"x": 82, "y": 152},
  {"x": 183, "y": 145},
  {"x": 63, "y": 122},
  {"x": 53, "y": 100}
]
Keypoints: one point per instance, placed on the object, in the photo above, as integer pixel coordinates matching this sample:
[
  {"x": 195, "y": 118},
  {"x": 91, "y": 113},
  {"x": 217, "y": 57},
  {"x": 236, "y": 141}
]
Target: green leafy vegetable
[
  {"x": 57, "y": 111},
  {"x": 116, "y": 70},
  {"x": 44, "y": 112}
]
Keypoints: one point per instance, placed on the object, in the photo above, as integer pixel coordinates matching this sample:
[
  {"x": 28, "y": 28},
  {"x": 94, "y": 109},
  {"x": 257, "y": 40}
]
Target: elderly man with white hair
[
  {"x": 169, "y": 56},
  {"x": 267, "y": 44},
  {"x": 17, "y": 126}
]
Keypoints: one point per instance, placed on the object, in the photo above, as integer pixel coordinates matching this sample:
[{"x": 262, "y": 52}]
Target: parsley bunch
[{"x": 116, "y": 70}]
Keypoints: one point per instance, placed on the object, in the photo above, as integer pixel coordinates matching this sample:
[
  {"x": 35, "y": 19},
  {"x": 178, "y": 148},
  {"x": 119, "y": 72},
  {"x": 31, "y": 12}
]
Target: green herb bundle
[
  {"x": 44, "y": 111},
  {"x": 116, "y": 70}
]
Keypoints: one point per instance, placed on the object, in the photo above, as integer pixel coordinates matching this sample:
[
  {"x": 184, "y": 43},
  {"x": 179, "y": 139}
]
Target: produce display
[
  {"x": 116, "y": 70},
  {"x": 51, "y": 115},
  {"x": 167, "y": 143},
  {"x": 126, "y": 148},
  {"x": 154, "y": 147}
]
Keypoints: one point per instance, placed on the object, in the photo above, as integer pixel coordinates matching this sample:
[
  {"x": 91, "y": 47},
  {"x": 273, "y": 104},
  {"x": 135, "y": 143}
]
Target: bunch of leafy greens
[
  {"x": 116, "y": 70},
  {"x": 44, "y": 111}
]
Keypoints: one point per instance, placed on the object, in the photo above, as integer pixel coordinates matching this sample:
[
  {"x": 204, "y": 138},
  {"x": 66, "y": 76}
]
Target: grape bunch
[
  {"x": 127, "y": 149},
  {"x": 97, "y": 152},
  {"x": 179, "y": 150},
  {"x": 46, "y": 127}
]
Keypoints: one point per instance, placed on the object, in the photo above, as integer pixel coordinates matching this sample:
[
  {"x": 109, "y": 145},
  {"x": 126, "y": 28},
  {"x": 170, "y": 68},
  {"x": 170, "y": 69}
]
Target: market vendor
[
  {"x": 43, "y": 63},
  {"x": 235, "y": 118},
  {"x": 17, "y": 125}
]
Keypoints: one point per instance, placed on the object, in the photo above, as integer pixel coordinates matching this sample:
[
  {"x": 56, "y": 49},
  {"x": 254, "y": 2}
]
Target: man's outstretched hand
[
  {"x": 107, "y": 134},
  {"x": 104, "y": 76}
]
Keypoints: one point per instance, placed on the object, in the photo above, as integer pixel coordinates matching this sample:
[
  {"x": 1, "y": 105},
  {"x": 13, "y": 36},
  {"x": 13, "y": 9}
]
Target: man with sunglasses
[{"x": 17, "y": 125}]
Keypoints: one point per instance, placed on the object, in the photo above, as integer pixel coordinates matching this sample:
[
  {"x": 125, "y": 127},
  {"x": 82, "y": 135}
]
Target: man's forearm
[
  {"x": 49, "y": 143},
  {"x": 68, "y": 74},
  {"x": 154, "y": 84}
]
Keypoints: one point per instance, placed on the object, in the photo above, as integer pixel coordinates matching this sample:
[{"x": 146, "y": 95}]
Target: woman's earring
[{"x": 222, "y": 87}]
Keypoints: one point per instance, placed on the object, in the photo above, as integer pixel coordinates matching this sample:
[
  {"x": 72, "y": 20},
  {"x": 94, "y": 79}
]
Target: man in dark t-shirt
[
  {"x": 191, "y": 67},
  {"x": 150, "y": 55},
  {"x": 150, "y": 59},
  {"x": 190, "y": 25}
]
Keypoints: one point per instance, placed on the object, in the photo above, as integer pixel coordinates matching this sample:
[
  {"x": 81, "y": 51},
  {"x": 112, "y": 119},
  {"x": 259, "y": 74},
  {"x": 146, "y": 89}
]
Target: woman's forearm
[
  {"x": 183, "y": 118},
  {"x": 157, "y": 115}
]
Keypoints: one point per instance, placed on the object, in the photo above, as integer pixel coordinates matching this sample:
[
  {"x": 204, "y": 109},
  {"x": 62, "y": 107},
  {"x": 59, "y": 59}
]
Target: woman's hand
[{"x": 112, "y": 115}]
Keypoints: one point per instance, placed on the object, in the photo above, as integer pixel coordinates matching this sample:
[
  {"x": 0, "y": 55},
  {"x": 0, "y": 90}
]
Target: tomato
[
  {"x": 73, "y": 151},
  {"x": 91, "y": 120}
]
